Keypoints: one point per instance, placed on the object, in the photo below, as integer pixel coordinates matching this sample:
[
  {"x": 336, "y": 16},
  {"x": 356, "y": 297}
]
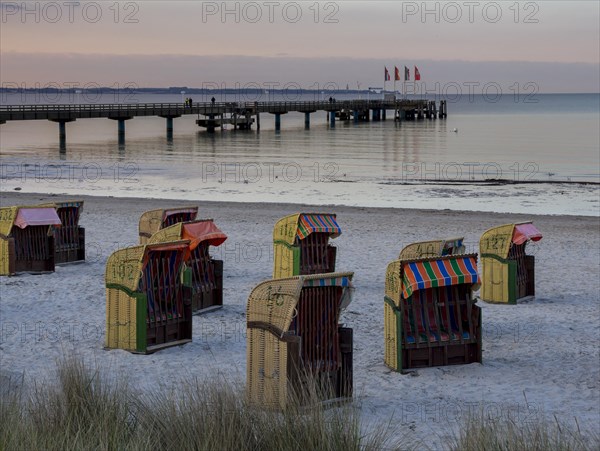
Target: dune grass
[
  {"x": 88, "y": 410},
  {"x": 480, "y": 433}
]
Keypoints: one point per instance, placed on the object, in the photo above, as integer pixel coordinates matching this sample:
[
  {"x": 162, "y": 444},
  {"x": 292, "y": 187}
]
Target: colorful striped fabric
[
  {"x": 438, "y": 273},
  {"x": 309, "y": 223},
  {"x": 328, "y": 282}
]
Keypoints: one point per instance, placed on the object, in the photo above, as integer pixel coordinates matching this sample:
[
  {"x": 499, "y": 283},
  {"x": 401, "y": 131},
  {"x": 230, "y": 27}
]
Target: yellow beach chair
[
  {"x": 148, "y": 297},
  {"x": 430, "y": 315},
  {"x": 293, "y": 332},
  {"x": 25, "y": 244},
  {"x": 301, "y": 244},
  {"x": 508, "y": 274}
]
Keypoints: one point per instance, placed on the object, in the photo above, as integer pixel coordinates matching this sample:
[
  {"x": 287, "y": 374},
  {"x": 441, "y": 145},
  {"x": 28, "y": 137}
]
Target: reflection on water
[{"x": 355, "y": 164}]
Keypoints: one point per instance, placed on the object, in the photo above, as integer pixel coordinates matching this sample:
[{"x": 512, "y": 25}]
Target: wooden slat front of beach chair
[
  {"x": 207, "y": 280},
  {"x": 206, "y": 272},
  {"x": 317, "y": 256},
  {"x": 326, "y": 348},
  {"x": 69, "y": 238},
  {"x": 33, "y": 249},
  {"x": 436, "y": 323},
  {"x": 169, "y": 317}
]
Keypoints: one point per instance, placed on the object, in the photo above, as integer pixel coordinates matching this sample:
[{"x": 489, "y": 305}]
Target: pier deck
[{"x": 212, "y": 115}]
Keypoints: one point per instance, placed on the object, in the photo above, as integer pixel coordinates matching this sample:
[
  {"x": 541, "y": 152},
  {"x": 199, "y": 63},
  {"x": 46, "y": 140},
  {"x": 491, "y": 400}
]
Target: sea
[{"x": 534, "y": 154}]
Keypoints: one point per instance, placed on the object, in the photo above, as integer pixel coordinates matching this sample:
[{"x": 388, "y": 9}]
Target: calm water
[{"x": 545, "y": 143}]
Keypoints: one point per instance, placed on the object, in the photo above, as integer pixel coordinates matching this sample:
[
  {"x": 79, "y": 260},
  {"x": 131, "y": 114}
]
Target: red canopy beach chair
[
  {"x": 25, "y": 244},
  {"x": 206, "y": 272}
]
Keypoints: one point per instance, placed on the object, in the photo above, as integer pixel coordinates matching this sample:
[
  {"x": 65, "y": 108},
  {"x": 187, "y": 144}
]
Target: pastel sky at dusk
[{"x": 187, "y": 43}]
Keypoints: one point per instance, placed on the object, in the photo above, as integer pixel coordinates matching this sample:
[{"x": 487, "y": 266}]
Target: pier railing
[{"x": 128, "y": 110}]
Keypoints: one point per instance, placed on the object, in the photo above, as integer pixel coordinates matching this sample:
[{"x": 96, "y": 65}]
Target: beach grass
[
  {"x": 91, "y": 410},
  {"x": 507, "y": 434}
]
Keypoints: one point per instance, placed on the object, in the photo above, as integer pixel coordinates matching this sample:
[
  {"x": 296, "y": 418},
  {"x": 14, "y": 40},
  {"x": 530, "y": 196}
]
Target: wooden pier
[{"x": 213, "y": 115}]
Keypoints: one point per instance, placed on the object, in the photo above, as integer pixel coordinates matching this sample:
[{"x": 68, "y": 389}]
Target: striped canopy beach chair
[
  {"x": 301, "y": 244},
  {"x": 508, "y": 274},
  {"x": 435, "y": 248},
  {"x": 148, "y": 297},
  {"x": 154, "y": 220},
  {"x": 207, "y": 273},
  {"x": 69, "y": 238},
  {"x": 430, "y": 314},
  {"x": 25, "y": 244},
  {"x": 293, "y": 331}
]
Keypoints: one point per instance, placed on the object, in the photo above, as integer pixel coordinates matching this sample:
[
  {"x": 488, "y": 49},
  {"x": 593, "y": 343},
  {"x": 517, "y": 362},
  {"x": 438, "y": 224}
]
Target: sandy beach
[{"x": 540, "y": 358}]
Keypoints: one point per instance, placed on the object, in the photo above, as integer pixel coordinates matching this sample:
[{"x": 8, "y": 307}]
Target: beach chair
[
  {"x": 508, "y": 274},
  {"x": 301, "y": 244},
  {"x": 69, "y": 238},
  {"x": 430, "y": 315},
  {"x": 25, "y": 244},
  {"x": 294, "y": 336},
  {"x": 207, "y": 273},
  {"x": 148, "y": 297},
  {"x": 154, "y": 220},
  {"x": 434, "y": 248}
]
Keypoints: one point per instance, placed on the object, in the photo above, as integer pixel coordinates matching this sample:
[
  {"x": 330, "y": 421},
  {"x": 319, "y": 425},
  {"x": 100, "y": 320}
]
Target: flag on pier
[
  {"x": 387, "y": 75},
  {"x": 397, "y": 74},
  {"x": 406, "y": 73},
  {"x": 417, "y": 74}
]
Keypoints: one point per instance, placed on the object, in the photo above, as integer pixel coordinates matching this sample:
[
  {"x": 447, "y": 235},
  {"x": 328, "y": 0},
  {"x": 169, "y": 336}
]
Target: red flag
[
  {"x": 396, "y": 74},
  {"x": 387, "y": 75},
  {"x": 406, "y": 73},
  {"x": 417, "y": 74}
]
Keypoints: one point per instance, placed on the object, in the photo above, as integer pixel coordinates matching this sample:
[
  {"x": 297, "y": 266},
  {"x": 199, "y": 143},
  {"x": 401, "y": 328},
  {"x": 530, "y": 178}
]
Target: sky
[{"x": 551, "y": 45}]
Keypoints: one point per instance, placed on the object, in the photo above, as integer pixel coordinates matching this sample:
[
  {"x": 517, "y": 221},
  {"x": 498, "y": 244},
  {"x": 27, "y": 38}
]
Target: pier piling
[{"x": 277, "y": 122}]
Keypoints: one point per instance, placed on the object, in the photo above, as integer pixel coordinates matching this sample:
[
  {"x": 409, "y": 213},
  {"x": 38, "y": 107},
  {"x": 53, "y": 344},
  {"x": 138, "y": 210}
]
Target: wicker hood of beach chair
[
  {"x": 148, "y": 297},
  {"x": 434, "y": 248},
  {"x": 430, "y": 315},
  {"x": 154, "y": 220},
  {"x": 69, "y": 238},
  {"x": 294, "y": 336},
  {"x": 301, "y": 244},
  {"x": 207, "y": 273},
  {"x": 25, "y": 244},
  {"x": 508, "y": 273}
]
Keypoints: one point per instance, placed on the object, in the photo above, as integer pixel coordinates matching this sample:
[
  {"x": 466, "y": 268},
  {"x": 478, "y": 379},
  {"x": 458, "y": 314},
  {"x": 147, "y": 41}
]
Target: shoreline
[{"x": 165, "y": 202}]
